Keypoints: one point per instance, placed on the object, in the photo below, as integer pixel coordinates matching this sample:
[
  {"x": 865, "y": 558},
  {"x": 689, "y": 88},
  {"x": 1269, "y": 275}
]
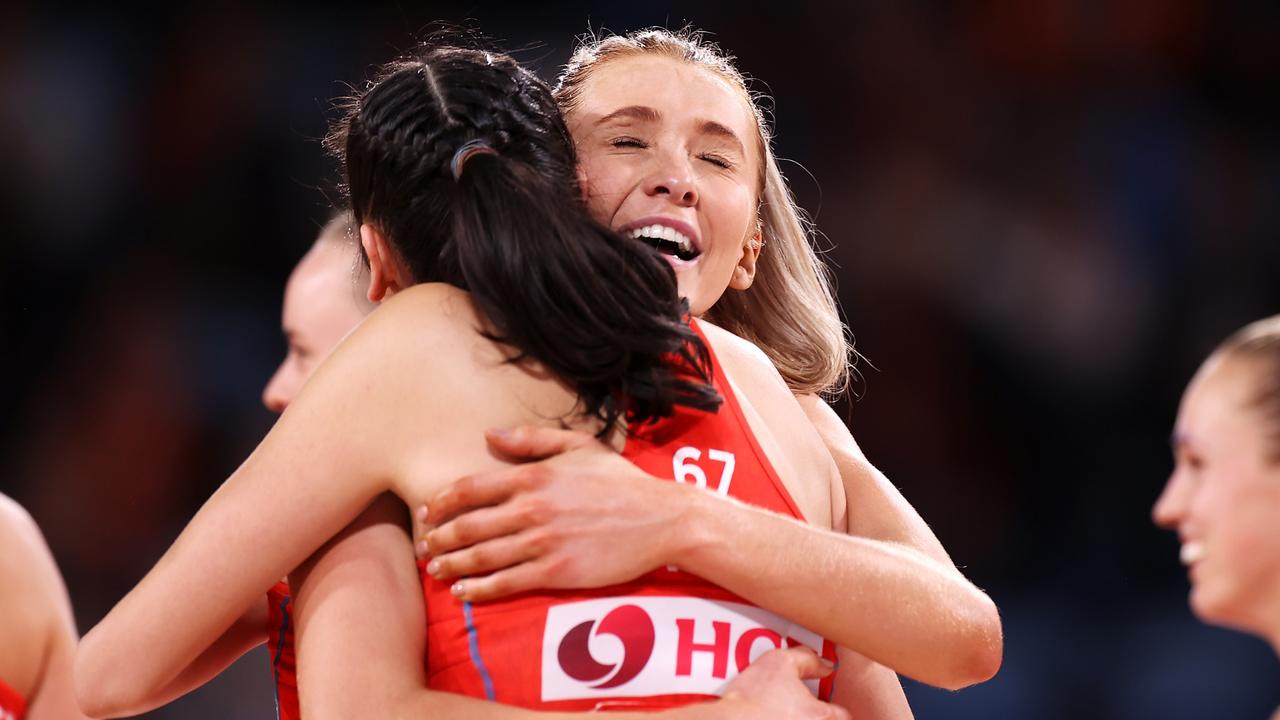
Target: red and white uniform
[
  {"x": 12, "y": 705},
  {"x": 667, "y": 638}
]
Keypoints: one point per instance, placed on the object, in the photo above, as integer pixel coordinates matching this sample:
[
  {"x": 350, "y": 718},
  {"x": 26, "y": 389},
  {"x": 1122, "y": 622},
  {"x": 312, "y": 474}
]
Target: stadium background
[{"x": 1042, "y": 216}]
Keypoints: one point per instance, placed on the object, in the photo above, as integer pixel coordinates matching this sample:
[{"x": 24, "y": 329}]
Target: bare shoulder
[
  {"x": 741, "y": 358},
  {"x": 33, "y": 602},
  {"x": 794, "y": 447},
  {"x": 24, "y": 547},
  {"x": 833, "y": 429},
  {"x": 423, "y": 311}
]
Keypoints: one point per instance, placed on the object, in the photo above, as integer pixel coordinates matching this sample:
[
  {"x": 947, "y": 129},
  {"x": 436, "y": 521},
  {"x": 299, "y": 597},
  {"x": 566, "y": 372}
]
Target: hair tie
[{"x": 464, "y": 153}]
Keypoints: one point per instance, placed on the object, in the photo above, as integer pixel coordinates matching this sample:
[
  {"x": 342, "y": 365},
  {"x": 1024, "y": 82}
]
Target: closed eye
[
  {"x": 716, "y": 160},
  {"x": 628, "y": 142}
]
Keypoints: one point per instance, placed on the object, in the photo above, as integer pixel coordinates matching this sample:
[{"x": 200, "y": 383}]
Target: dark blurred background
[{"x": 1042, "y": 214}]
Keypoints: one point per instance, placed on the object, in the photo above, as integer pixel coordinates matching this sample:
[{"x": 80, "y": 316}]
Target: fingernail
[
  {"x": 421, "y": 547},
  {"x": 457, "y": 589},
  {"x": 500, "y": 433},
  {"x": 433, "y": 568},
  {"x": 422, "y": 513},
  {"x": 830, "y": 666}
]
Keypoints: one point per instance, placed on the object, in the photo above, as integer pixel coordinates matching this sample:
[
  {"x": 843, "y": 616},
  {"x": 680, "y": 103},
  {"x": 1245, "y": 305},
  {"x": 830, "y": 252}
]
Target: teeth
[
  {"x": 663, "y": 232},
  {"x": 1192, "y": 552}
]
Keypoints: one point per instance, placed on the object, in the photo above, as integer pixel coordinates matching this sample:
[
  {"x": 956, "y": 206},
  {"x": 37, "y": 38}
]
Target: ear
[
  {"x": 745, "y": 271},
  {"x": 582, "y": 182},
  {"x": 386, "y": 276}
]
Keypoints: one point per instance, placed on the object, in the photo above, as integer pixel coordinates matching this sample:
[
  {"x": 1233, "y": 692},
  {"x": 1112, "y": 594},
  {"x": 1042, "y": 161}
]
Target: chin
[{"x": 1216, "y": 607}]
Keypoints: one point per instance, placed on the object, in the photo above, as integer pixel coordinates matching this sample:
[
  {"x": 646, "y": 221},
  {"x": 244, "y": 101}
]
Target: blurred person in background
[
  {"x": 37, "y": 630},
  {"x": 1223, "y": 497}
]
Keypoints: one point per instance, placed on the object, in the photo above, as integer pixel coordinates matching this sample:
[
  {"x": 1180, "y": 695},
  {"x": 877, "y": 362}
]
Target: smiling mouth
[
  {"x": 667, "y": 241},
  {"x": 1191, "y": 553}
]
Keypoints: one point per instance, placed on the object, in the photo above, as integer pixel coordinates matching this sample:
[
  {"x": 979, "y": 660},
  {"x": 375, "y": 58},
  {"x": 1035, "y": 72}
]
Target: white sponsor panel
[{"x": 696, "y": 646}]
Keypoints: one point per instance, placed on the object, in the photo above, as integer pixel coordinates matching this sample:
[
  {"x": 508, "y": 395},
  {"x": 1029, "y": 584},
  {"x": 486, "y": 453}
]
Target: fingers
[
  {"x": 522, "y": 577},
  {"x": 474, "y": 491},
  {"x": 484, "y": 524},
  {"x": 533, "y": 442},
  {"x": 808, "y": 665},
  {"x": 484, "y": 558}
]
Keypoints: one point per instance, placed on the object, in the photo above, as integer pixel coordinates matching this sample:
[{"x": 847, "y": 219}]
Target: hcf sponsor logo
[{"x": 641, "y": 646}]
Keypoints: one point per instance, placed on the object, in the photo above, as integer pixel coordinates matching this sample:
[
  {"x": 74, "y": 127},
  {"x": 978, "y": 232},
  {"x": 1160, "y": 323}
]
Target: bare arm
[
  {"x": 891, "y": 602},
  {"x": 337, "y": 445},
  {"x": 358, "y": 616},
  {"x": 875, "y": 508},
  {"x": 35, "y": 619},
  {"x": 248, "y": 632},
  {"x": 361, "y": 631},
  {"x": 871, "y": 689}
]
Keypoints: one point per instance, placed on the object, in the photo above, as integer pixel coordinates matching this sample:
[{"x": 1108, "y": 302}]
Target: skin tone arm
[
  {"x": 358, "y": 609},
  {"x": 343, "y": 442},
  {"x": 248, "y": 632},
  {"x": 35, "y": 620},
  {"x": 880, "y": 511},
  {"x": 776, "y": 562},
  {"x": 361, "y": 633}
]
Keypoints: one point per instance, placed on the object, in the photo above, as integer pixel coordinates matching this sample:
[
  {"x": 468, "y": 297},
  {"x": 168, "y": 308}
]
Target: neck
[{"x": 1271, "y": 625}]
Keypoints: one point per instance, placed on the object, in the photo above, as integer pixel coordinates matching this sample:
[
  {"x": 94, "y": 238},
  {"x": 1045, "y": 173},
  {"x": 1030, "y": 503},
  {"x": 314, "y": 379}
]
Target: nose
[
  {"x": 674, "y": 178},
  {"x": 1171, "y": 506},
  {"x": 275, "y": 396}
]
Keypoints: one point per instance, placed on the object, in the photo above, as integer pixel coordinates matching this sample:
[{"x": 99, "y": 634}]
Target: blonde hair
[
  {"x": 1259, "y": 341},
  {"x": 790, "y": 311}
]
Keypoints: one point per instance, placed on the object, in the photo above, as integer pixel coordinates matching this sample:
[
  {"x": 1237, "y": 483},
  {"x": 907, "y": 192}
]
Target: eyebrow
[
  {"x": 643, "y": 113},
  {"x": 632, "y": 112}
]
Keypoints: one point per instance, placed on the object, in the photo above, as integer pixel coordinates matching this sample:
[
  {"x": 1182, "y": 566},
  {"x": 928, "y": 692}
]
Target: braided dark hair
[{"x": 598, "y": 309}]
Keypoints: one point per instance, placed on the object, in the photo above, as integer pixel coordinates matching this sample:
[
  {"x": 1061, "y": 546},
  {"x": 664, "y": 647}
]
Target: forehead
[
  {"x": 678, "y": 89},
  {"x": 318, "y": 288},
  {"x": 1217, "y": 402}
]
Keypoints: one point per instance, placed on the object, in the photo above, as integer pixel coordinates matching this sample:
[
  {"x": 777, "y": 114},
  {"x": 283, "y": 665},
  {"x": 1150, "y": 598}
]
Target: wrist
[{"x": 695, "y": 527}]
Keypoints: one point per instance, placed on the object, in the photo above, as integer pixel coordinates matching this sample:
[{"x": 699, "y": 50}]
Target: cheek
[
  {"x": 607, "y": 181},
  {"x": 1242, "y": 568},
  {"x": 732, "y": 208}
]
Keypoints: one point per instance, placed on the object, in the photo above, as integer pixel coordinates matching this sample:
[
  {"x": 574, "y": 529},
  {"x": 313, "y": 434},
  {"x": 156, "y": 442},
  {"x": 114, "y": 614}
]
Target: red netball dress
[
  {"x": 280, "y": 644},
  {"x": 667, "y": 638},
  {"x": 12, "y": 706}
]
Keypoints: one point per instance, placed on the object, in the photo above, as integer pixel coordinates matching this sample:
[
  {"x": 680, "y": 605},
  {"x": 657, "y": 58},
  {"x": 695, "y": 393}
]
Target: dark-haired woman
[{"x": 497, "y": 312}]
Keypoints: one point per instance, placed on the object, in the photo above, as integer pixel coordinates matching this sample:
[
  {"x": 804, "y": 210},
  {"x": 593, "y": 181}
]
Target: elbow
[
  {"x": 102, "y": 687},
  {"x": 981, "y": 647}
]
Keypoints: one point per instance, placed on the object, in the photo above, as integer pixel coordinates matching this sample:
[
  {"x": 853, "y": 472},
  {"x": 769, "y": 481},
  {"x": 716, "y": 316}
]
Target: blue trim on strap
[
  {"x": 275, "y": 664},
  {"x": 474, "y": 641}
]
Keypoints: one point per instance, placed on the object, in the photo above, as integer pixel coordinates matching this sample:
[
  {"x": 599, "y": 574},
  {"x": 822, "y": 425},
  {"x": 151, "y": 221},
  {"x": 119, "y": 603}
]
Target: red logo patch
[{"x": 633, "y": 628}]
